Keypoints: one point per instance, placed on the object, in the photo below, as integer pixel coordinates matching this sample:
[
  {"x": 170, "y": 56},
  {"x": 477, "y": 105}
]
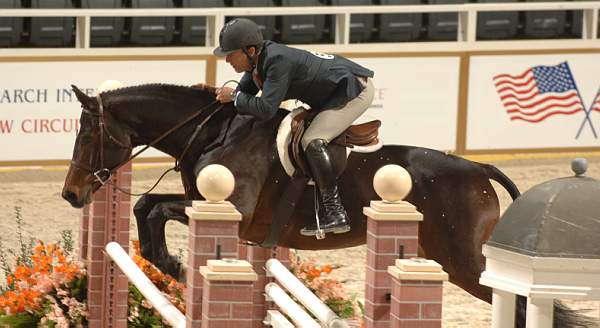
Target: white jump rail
[
  {"x": 467, "y": 26},
  {"x": 167, "y": 310},
  {"x": 285, "y": 278}
]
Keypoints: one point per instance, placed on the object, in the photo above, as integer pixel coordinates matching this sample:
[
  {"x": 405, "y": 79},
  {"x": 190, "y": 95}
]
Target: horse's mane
[{"x": 158, "y": 89}]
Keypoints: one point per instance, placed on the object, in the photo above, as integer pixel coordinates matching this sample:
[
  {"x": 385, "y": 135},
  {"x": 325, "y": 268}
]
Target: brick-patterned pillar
[
  {"x": 390, "y": 226},
  {"x": 227, "y": 294},
  {"x": 83, "y": 233},
  {"x": 283, "y": 255},
  {"x": 258, "y": 258},
  {"x": 417, "y": 288},
  {"x": 211, "y": 224},
  {"x": 108, "y": 221}
]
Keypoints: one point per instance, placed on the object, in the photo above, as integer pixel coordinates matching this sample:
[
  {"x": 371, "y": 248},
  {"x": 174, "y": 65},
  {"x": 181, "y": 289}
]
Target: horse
[{"x": 458, "y": 202}]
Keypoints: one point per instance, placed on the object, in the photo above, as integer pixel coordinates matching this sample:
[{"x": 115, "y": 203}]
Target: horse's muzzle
[{"x": 72, "y": 198}]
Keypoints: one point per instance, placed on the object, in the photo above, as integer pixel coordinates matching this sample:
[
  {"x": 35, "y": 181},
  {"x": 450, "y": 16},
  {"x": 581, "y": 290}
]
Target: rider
[{"x": 339, "y": 89}]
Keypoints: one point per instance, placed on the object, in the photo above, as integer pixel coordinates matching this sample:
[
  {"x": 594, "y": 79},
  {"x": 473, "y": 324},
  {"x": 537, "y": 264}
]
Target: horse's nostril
[{"x": 69, "y": 196}]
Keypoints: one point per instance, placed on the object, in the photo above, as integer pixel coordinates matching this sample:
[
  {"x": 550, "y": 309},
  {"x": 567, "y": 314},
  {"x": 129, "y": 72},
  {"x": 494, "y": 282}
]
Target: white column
[
  {"x": 539, "y": 312},
  {"x": 503, "y": 309}
]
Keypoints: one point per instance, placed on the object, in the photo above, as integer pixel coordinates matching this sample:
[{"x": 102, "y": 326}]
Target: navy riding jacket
[{"x": 322, "y": 81}]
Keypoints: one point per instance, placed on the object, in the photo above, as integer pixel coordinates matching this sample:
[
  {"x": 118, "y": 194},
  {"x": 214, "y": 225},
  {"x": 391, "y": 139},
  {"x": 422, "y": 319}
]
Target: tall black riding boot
[{"x": 335, "y": 218}]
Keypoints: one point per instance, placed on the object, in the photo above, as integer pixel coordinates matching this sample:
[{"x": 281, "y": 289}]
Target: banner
[
  {"x": 39, "y": 113},
  {"x": 533, "y": 101}
]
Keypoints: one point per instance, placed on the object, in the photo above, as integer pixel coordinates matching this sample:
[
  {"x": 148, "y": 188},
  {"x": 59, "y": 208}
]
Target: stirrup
[{"x": 320, "y": 235}]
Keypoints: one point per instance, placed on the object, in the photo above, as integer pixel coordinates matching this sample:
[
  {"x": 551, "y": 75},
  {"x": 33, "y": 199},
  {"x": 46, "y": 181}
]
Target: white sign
[
  {"x": 415, "y": 98},
  {"x": 531, "y": 101},
  {"x": 39, "y": 114}
]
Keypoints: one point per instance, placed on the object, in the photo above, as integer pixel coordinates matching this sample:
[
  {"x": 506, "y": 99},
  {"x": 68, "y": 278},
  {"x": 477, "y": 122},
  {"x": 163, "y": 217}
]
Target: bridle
[{"x": 104, "y": 174}]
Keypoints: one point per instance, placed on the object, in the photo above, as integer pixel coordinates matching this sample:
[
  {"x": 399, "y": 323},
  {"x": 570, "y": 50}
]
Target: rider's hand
[{"x": 225, "y": 94}]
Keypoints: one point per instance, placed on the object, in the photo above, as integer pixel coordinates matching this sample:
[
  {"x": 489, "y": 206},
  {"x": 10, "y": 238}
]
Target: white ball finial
[
  {"x": 109, "y": 85},
  {"x": 392, "y": 183},
  {"x": 215, "y": 183}
]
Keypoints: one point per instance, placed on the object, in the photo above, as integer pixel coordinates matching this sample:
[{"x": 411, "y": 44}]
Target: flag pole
[
  {"x": 587, "y": 114},
  {"x": 585, "y": 110}
]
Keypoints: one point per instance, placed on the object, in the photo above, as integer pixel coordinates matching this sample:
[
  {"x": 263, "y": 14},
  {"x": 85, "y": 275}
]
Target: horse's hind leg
[
  {"x": 157, "y": 219},
  {"x": 141, "y": 210}
]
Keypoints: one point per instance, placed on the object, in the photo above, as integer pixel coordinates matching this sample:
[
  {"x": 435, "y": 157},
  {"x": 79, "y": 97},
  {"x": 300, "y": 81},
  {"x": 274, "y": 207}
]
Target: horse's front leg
[
  {"x": 157, "y": 219},
  {"x": 141, "y": 210}
]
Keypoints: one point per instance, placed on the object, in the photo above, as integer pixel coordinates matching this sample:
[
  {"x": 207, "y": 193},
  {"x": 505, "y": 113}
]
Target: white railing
[
  {"x": 167, "y": 310},
  {"x": 285, "y": 278},
  {"x": 467, "y": 25}
]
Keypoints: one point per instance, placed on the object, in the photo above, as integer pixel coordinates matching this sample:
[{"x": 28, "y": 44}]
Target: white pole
[
  {"x": 167, "y": 310},
  {"x": 304, "y": 295},
  {"x": 540, "y": 312},
  {"x": 289, "y": 307},
  {"x": 503, "y": 309}
]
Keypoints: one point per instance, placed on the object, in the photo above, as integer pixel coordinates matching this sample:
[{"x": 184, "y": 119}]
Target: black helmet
[{"x": 237, "y": 34}]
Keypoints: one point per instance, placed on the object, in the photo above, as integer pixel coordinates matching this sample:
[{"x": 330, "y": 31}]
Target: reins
[
  {"x": 104, "y": 174},
  {"x": 175, "y": 167}
]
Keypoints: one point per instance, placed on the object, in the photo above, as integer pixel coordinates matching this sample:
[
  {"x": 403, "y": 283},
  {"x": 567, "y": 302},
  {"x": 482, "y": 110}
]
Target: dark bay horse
[{"x": 459, "y": 204}]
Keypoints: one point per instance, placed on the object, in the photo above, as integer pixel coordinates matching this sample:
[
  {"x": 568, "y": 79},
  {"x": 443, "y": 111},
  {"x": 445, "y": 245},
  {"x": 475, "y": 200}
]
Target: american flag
[
  {"x": 540, "y": 92},
  {"x": 596, "y": 104}
]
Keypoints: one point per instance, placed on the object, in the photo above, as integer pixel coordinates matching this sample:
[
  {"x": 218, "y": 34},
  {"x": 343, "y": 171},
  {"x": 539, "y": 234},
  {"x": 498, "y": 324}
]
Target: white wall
[{"x": 35, "y": 100}]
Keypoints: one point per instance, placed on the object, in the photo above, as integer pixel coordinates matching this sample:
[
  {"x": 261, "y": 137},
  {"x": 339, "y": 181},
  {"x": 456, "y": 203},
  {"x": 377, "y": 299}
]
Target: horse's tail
[
  {"x": 564, "y": 317},
  {"x": 495, "y": 174}
]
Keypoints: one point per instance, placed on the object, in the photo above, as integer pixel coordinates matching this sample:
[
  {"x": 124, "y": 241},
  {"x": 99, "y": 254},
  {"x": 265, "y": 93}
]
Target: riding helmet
[{"x": 238, "y": 33}]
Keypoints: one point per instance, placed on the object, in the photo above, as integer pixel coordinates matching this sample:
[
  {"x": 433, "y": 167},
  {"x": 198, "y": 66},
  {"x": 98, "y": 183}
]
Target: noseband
[{"x": 104, "y": 174}]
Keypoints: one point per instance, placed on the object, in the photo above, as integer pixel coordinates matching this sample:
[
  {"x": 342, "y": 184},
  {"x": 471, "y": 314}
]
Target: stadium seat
[
  {"x": 361, "y": 25},
  {"x": 51, "y": 31},
  {"x": 193, "y": 29},
  {"x": 10, "y": 27},
  {"x": 400, "y": 27},
  {"x": 303, "y": 28},
  {"x": 497, "y": 25},
  {"x": 544, "y": 24},
  {"x": 577, "y": 22},
  {"x": 265, "y": 23},
  {"x": 105, "y": 31},
  {"x": 443, "y": 26},
  {"x": 152, "y": 31}
]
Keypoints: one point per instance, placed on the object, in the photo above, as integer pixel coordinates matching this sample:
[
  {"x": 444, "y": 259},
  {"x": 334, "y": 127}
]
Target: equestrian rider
[{"x": 338, "y": 88}]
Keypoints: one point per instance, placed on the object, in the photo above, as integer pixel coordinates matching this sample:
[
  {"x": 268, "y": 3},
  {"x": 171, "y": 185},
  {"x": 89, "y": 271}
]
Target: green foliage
[
  {"x": 21, "y": 320},
  {"x": 6, "y": 268},
  {"x": 25, "y": 249},
  {"x": 140, "y": 314},
  {"x": 23, "y": 256},
  {"x": 66, "y": 241},
  {"x": 343, "y": 308}
]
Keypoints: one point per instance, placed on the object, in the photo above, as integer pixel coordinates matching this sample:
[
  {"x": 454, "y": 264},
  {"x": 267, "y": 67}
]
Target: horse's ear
[{"x": 87, "y": 102}]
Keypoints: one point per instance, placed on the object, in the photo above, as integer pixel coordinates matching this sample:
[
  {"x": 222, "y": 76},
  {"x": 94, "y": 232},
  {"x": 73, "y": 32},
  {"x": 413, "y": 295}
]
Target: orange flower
[{"x": 326, "y": 268}]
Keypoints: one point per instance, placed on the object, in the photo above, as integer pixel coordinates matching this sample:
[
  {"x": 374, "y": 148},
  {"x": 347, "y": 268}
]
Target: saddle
[{"x": 360, "y": 135}]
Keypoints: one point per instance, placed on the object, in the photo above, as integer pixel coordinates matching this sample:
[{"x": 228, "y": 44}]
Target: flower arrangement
[
  {"x": 331, "y": 291},
  {"x": 141, "y": 314},
  {"x": 46, "y": 287}
]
